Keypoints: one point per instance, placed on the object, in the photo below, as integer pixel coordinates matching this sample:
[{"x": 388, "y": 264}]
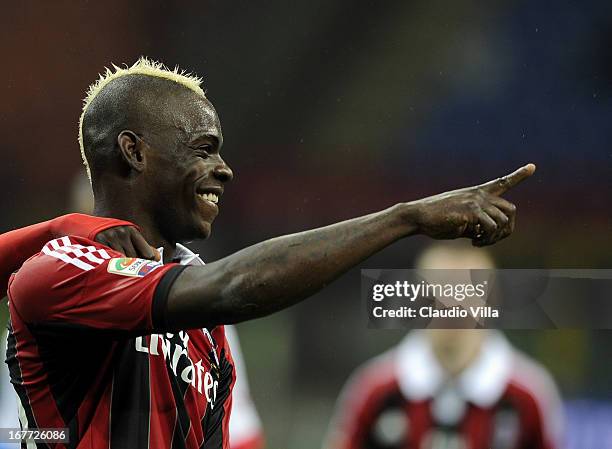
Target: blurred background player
[
  {"x": 245, "y": 425},
  {"x": 449, "y": 388}
]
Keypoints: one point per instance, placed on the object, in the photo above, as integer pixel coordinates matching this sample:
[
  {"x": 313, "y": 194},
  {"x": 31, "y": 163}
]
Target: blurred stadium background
[{"x": 332, "y": 109}]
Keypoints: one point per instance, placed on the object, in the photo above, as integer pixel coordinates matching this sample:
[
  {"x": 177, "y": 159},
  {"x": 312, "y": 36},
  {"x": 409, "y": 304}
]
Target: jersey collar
[
  {"x": 421, "y": 377},
  {"x": 183, "y": 256}
]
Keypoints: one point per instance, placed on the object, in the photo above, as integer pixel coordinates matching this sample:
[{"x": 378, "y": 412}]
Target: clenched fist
[{"x": 478, "y": 213}]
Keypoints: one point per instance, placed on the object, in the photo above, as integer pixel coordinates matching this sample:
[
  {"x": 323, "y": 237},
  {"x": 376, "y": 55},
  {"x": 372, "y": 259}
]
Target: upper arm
[
  {"x": 544, "y": 399},
  {"x": 358, "y": 403},
  {"x": 198, "y": 297}
]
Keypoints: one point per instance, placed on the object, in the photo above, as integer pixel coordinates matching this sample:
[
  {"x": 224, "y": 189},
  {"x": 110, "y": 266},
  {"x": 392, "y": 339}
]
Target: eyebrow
[{"x": 215, "y": 138}]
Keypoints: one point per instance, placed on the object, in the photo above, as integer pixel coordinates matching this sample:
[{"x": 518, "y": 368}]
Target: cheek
[
  {"x": 172, "y": 173},
  {"x": 195, "y": 169},
  {"x": 165, "y": 190}
]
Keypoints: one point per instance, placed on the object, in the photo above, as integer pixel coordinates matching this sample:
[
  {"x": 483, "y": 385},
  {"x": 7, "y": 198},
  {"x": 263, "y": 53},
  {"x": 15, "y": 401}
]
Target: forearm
[{"x": 277, "y": 273}]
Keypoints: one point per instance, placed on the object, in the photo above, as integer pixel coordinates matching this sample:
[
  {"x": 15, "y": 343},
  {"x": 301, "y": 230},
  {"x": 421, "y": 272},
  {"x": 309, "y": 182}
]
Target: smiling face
[
  {"x": 153, "y": 149},
  {"x": 185, "y": 175}
]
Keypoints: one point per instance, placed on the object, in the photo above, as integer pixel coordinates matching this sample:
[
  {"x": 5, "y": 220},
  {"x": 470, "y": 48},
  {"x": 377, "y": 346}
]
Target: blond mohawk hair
[{"x": 144, "y": 66}]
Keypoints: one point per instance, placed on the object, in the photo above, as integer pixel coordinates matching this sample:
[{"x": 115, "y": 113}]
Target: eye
[{"x": 203, "y": 151}]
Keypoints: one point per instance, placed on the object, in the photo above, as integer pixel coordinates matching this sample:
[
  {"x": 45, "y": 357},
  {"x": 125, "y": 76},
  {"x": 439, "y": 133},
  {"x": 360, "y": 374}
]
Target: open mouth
[{"x": 210, "y": 197}]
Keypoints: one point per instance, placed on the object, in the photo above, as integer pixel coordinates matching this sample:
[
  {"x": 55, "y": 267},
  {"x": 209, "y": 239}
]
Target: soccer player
[
  {"x": 132, "y": 352},
  {"x": 449, "y": 388},
  {"x": 17, "y": 246}
]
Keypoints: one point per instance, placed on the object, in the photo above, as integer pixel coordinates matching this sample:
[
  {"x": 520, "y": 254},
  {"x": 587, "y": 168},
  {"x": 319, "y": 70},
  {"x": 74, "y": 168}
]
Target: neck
[
  {"x": 455, "y": 363},
  {"x": 456, "y": 350},
  {"x": 123, "y": 207}
]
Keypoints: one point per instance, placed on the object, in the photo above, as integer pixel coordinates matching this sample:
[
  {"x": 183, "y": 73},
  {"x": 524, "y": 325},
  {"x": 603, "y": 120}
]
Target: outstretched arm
[{"x": 277, "y": 273}]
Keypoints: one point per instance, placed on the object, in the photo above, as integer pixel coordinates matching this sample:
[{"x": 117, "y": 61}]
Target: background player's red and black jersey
[
  {"x": 89, "y": 349},
  {"x": 404, "y": 400}
]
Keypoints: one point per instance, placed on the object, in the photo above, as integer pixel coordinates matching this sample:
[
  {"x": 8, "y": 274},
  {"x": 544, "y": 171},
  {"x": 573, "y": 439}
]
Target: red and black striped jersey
[
  {"x": 89, "y": 349},
  {"x": 403, "y": 399}
]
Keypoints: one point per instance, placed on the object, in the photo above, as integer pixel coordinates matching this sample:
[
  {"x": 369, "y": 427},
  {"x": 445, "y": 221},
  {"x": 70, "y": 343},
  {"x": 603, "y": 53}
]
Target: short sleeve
[{"x": 77, "y": 283}]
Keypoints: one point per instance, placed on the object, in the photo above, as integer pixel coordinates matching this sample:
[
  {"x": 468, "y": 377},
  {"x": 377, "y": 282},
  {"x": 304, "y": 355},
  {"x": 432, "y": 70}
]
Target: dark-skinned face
[{"x": 185, "y": 174}]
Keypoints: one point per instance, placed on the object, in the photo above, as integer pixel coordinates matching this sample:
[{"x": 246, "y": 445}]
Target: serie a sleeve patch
[{"x": 131, "y": 267}]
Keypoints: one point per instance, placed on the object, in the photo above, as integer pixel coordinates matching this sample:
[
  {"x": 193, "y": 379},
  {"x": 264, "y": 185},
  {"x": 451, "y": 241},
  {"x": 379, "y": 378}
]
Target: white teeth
[{"x": 209, "y": 197}]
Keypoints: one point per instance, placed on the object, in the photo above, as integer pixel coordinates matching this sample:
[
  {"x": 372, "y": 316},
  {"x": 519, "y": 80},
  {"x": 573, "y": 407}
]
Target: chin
[
  {"x": 197, "y": 228},
  {"x": 204, "y": 230}
]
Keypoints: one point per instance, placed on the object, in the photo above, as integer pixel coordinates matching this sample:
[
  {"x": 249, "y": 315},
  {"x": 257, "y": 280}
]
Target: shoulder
[
  {"x": 362, "y": 398},
  {"x": 532, "y": 377},
  {"x": 60, "y": 257},
  {"x": 376, "y": 378},
  {"x": 535, "y": 387},
  {"x": 77, "y": 252},
  {"x": 60, "y": 267},
  {"x": 78, "y": 281}
]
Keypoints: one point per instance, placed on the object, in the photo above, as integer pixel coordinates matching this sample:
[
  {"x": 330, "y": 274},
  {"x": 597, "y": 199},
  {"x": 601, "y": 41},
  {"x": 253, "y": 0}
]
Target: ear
[{"x": 132, "y": 150}]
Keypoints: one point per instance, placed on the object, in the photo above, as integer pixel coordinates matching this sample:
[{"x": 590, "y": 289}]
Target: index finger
[
  {"x": 503, "y": 184},
  {"x": 142, "y": 247}
]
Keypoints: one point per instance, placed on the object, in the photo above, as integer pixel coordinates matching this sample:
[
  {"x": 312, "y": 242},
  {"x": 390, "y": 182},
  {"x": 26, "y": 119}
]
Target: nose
[{"x": 223, "y": 172}]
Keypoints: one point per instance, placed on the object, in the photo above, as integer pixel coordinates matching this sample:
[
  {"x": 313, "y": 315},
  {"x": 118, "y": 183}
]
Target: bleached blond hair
[{"x": 144, "y": 66}]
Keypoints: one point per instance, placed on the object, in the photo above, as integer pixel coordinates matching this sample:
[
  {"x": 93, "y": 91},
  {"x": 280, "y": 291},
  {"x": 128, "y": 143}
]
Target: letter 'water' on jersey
[{"x": 89, "y": 349}]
